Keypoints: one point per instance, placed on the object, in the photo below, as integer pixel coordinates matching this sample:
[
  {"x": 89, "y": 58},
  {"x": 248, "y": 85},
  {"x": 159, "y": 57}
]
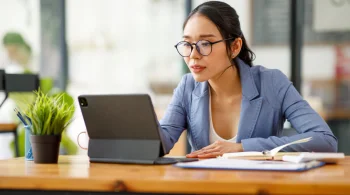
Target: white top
[{"x": 213, "y": 136}]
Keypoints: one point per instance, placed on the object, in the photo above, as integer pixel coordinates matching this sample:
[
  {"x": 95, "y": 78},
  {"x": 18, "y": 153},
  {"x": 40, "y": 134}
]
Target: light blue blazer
[{"x": 268, "y": 99}]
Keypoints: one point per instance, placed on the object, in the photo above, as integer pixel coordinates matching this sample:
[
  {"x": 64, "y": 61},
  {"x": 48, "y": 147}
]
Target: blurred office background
[{"x": 113, "y": 46}]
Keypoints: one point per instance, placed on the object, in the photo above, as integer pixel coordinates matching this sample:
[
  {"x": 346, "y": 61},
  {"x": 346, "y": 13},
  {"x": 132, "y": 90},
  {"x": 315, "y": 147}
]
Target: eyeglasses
[{"x": 203, "y": 47}]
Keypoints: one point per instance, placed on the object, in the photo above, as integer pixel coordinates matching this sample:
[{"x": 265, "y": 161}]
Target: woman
[{"x": 228, "y": 105}]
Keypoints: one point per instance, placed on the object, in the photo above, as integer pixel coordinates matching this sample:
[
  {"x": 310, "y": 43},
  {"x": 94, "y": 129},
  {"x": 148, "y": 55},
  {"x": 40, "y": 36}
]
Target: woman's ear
[{"x": 236, "y": 46}]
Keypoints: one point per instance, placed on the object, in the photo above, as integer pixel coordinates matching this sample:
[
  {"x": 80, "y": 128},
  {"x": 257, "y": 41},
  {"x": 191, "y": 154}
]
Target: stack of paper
[
  {"x": 237, "y": 164},
  {"x": 310, "y": 156}
]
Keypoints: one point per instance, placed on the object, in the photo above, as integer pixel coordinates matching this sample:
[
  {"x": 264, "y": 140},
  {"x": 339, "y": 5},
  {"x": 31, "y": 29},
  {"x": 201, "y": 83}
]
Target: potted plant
[
  {"x": 22, "y": 100},
  {"x": 50, "y": 116}
]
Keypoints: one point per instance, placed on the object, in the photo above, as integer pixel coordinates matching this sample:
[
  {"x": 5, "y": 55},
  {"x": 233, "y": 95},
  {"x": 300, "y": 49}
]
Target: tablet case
[{"x": 122, "y": 129}]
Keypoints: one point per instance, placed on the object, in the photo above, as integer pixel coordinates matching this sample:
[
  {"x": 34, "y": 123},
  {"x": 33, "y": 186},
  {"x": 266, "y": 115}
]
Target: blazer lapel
[
  {"x": 250, "y": 110},
  {"x": 199, "y": 115},
  {"x": 251, "y": 105}
]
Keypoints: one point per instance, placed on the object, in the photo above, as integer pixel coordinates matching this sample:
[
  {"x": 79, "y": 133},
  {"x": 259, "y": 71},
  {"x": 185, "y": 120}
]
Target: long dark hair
[{"x": 226, "y": 20}]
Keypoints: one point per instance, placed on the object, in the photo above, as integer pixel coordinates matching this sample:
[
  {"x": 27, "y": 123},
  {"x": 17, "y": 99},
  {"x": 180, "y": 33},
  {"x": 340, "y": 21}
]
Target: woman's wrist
[{"x": 240, "y": 147}]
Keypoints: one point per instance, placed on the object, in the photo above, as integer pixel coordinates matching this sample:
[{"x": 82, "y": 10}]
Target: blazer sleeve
[
  {"x": 174, "y": 121},
  {"x": 303, "y": 119}
]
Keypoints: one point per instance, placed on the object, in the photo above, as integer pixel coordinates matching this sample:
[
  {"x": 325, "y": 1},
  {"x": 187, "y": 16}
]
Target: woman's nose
[{"x": 195, "y": 53}]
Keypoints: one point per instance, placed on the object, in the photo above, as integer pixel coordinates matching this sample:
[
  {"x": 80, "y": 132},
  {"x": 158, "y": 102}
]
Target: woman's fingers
[
  {"x": 213, "y": 145},
  {"x": 195, "y": 153},
  {"x": 216, "y": 149},
  {"x": 202, "y": 152},
  {"x": 210, "y": 151},
  {"x": 210, "y": 155}
]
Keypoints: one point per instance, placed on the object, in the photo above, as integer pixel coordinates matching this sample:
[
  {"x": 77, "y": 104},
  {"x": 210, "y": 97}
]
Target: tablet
[{"x": 123, "y": 128}]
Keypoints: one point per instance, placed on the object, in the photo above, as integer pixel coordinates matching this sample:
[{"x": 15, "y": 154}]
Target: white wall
[{"x": 117, "y": 46}]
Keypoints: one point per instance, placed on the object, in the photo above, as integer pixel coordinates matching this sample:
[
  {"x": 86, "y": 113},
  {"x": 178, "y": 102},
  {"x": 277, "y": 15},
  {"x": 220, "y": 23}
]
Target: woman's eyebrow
[{"x": 201, "y": 36}]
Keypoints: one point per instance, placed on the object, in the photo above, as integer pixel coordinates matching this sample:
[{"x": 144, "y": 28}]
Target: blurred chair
[{"x": 16, "y": 83}]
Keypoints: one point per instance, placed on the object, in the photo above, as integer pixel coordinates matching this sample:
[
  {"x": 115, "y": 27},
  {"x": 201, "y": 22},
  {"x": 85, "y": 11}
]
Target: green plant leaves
[{"x": 50, "y": 114}]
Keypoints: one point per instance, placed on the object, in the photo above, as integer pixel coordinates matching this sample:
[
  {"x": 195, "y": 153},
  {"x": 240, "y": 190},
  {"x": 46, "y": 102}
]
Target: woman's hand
[{"x": 218, "y": 148}]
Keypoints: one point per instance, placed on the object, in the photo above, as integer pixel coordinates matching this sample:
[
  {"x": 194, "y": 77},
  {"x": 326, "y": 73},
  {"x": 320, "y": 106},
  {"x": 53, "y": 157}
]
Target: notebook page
[{"x": 271, "y": 153}]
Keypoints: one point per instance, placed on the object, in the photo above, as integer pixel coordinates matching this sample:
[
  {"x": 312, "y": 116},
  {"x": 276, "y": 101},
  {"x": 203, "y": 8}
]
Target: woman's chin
[{"x": 199, "y": 78}]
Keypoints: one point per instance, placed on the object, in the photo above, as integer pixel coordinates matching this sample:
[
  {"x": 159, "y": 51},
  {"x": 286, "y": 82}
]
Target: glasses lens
[
  {"x": 184, "y": 48},
  {"x": 204, "y": 47}
]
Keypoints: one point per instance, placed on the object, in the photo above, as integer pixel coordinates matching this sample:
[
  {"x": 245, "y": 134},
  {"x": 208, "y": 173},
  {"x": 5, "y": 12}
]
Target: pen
[{"x": 19, "y": 115}]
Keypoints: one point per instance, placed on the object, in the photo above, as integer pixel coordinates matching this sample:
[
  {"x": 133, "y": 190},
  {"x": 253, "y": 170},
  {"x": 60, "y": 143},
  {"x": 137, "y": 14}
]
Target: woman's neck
[{"x": 227, "y": 84}]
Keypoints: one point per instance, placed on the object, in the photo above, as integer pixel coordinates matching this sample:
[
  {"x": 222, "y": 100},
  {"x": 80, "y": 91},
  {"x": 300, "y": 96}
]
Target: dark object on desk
[
  {"x": 2, "y": 80},
  {"x": 2, "y": 86},
  {"x": 123, "y": 129},
  {"x": 21, "y": 82},
  {"x": 16, "y": 83}
]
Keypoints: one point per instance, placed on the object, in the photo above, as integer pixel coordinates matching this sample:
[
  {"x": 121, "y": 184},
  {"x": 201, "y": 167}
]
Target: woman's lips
[{"x": 197, "y": 68}]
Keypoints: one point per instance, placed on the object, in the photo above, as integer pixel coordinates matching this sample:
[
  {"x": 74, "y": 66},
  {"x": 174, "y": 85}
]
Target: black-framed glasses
[{"x": 203, "y": 47}]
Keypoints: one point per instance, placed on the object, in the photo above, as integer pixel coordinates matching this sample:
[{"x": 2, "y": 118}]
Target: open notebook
[
  {"x": 273, "y": 154},
  {"x": 296, "y": 157}
]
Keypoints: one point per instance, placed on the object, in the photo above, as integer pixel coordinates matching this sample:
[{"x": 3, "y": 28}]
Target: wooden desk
[{"x": 74, "y": 173}]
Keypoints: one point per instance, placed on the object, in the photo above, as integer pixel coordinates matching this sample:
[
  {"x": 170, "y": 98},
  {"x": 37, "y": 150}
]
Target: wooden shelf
[
  {"x": 8, "y": 127},
  {"x": 334, "y": 96},
  {"x": 337, "y": 114}
]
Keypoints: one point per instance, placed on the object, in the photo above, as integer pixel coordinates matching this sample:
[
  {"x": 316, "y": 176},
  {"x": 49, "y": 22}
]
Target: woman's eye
[
  {"x": 186, "y": 44},
  {"x": 206, "y": 44}
]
